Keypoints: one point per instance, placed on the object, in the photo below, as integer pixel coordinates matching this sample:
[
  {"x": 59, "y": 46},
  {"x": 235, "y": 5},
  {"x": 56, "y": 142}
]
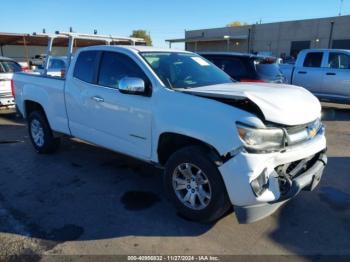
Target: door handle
[
  {"x": 97, "y": 99},
  {"x": 302, "y": 72},
  {"x": 331, "y": 74}
]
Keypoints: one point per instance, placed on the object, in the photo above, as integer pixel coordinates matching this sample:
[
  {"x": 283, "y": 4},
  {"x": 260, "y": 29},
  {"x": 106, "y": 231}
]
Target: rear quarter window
[
  {"x": 313, "y": 59},
  {"x": 85, "y": 66}
]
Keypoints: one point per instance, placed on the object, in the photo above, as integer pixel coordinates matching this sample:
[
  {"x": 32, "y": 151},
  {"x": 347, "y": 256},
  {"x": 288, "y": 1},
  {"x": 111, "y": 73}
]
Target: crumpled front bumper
[
  {"x": 306, "y": 181},
  {"x": 239, "y": 171}
]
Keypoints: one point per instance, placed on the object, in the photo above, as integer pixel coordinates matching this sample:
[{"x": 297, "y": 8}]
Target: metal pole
[
  {"x": 70, "y": 50},
  {"x": 331, "y": 35},
  {"x": 49, "y": 51},
  {"x": 26, "y": 50},
  {"x": 249, "y": 32},
  {"x": 2, "y": 51},
  {"x": 341, "y": 7},
  {"x": 228, "y": 44}
]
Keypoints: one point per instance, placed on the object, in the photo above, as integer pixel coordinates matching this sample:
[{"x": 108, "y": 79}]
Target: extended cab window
[
  {"x": 339, "y": 61},
  {"x": 85, "y": 66},
  {"x": 313, "y": 59},
  {"x": 115, "y": 66}
]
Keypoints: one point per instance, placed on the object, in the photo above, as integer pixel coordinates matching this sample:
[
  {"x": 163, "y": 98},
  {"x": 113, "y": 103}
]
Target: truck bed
[{"x": 46, "y": 91}]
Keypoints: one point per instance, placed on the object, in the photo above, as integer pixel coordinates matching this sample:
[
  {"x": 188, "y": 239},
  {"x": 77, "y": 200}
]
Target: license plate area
[{"x": 7, "y": 101}]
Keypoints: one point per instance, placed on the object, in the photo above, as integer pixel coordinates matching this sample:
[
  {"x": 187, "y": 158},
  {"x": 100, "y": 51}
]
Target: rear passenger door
[
  {"x": 311, "y": 74},
  {"x": 337, "y": 75},
  {"x": 79, "y": 91}
]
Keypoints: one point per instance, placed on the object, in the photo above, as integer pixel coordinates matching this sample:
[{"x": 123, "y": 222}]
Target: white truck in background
[
  {"x": 221, "y": 143},
  {"x": 324, "y": 72},
  {"x": 7, "y": 68}
]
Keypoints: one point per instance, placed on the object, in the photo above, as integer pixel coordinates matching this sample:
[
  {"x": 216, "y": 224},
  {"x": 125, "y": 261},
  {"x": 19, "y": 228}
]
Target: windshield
[
  {"x": 267, "y": 68},
  {"x": 185, "y": 70},
  {"x": 9, "y": 66}
]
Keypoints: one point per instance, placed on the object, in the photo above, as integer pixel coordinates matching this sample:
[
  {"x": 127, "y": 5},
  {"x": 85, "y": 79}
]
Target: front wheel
[
  {"x": 195, "y": 186},
  {"x": 40, "y": 133}
]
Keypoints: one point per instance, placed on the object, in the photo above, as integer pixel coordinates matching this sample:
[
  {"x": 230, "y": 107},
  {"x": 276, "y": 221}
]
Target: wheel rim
[
  {"x": 37, "y": 132},
  {"x": 192, "y": 186}
]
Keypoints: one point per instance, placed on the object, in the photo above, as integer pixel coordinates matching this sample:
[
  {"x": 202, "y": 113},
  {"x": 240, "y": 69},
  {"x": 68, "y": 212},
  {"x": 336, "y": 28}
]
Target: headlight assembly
[{"x": 261, "y": 140}]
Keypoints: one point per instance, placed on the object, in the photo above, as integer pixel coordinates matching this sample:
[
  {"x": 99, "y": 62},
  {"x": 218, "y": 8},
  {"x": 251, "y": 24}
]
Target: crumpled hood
[{"x": 282, "y": 104}]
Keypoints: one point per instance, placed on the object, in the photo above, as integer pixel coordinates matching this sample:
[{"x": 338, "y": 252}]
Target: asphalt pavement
[{"x": 85, "y": 200}]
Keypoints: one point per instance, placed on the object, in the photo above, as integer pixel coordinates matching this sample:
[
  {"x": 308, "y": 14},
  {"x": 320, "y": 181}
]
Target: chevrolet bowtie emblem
[{"x": 312, "y": 132}]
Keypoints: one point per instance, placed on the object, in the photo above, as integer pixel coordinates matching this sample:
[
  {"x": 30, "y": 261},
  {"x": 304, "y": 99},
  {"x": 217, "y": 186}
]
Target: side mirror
[{"x": 132, "y": 85}]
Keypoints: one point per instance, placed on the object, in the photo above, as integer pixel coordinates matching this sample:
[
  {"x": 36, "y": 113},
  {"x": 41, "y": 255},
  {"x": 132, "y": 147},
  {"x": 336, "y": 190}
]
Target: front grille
[
  {"x": 294, "y": 169},
  {"x": 288, "y": 172},
  {"x": 300, "y": 133},
  {"x": 296, "y": 129}
]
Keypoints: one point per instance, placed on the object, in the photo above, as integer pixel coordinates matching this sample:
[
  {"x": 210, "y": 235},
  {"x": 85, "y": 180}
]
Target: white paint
[{"x": 132, "y": 124}]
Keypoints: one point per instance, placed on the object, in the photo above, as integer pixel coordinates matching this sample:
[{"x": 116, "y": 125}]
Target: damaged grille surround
[{"x": 288, "y": 172}]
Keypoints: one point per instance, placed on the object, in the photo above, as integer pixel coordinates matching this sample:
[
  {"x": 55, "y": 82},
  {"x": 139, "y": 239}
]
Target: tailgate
[{"x": 5, "y": 84}]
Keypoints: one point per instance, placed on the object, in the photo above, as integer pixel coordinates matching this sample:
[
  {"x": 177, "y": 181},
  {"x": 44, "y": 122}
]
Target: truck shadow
[
  {"x": 88, "y": 193},
  {"x": 84, "y": 193},
  {"x": 317, "y": 223}
]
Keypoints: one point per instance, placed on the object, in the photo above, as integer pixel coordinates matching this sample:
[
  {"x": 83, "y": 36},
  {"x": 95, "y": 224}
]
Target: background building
[{"x": 278, "y": 39}]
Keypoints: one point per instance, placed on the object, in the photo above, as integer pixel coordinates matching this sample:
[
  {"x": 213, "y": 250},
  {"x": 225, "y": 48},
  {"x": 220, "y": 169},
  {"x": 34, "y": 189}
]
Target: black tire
[
  {"x": 219, "y": 203},
  {"x": 50, "y": 143}
]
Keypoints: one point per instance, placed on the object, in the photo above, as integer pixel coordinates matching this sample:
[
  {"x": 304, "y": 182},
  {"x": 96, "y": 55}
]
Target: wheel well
[
  {"x": 31, "y": 106},
  {"x": 169, "y": 143}
]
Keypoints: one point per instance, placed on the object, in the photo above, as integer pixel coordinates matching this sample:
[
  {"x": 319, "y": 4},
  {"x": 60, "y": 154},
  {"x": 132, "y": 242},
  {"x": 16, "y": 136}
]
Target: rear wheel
[
  {"x": 40, "y": 133},
  {"x": 195, "y": 185}
]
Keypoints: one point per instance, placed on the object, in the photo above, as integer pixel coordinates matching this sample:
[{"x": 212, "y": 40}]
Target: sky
[{"x": 164, "y": 19}]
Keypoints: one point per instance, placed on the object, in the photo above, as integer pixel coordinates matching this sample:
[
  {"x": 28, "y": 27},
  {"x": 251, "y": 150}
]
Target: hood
[{"x": 281, "y": 104}]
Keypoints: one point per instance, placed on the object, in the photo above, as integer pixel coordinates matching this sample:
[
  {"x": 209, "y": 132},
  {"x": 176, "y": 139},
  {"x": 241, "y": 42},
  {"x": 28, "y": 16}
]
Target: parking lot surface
[{"x": 88, "y": 200}]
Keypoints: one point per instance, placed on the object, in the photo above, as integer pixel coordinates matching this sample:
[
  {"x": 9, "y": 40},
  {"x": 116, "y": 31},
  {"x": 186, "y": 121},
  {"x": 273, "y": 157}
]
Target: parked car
[
  {"x": 221, "y": 143},
  {"x": 247, "y": 67},
  {"x": 37, "y": 60},
  {"x": 324, "y": 72},
  {"x": 7, "y": 68},
  {"x": 24, "y": 66}
]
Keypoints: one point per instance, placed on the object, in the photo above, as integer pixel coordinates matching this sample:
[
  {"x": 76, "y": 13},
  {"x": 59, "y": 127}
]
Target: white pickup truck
[{"x": 221, "y": 143}]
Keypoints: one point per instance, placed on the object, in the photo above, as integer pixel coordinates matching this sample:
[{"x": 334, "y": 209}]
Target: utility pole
[
  {"x": 341, "y": 7},
  {"x": 331, "y": 35}
]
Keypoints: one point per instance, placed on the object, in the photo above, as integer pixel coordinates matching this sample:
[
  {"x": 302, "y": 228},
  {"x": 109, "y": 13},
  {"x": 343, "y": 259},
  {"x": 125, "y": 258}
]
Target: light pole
[
  {"x": 227, "y": 37},
  {"x": 317, "y": 41},
  {"x": 331, "y": 35}
]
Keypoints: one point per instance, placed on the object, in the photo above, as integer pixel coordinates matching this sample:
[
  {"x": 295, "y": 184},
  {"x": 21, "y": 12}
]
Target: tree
[
  {"x": 142, "y": 34},
  {"x": 236, "y": 23}
]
